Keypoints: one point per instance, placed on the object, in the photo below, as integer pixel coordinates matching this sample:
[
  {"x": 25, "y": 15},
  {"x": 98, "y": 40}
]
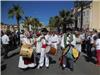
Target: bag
[
  {"x": 26, "y": 51},
  {"x": 75, "y": 53}
]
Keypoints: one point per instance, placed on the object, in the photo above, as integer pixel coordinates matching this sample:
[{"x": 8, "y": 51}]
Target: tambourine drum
[
  {"x": 47, "y": 49},
  {"x": 52, "y": 51},
  {"x": 26, "y": 51}
]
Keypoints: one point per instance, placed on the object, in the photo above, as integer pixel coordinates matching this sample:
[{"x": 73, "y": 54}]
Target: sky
[{"x": 42, "y": 10}]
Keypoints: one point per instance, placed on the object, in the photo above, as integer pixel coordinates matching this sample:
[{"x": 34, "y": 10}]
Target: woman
[
  {"x": 24, "y": 62},
  {"x": 98, "y": 50}
]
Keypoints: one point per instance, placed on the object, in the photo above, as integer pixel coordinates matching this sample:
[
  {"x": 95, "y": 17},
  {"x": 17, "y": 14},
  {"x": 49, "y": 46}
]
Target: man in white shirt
[
  {"x": 54, "y": 40},
  {"x": 5, "y": 43},
  {"x": 43, "y": 55}
]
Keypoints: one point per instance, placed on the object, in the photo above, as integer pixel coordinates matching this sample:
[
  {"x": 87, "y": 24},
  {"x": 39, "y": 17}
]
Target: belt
[{"x": 54, "y": 42}]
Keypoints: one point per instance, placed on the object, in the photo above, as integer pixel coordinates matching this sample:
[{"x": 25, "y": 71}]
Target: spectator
[
  {"x": 98, "y": 50},
  {"x": 5, "y": 43}
]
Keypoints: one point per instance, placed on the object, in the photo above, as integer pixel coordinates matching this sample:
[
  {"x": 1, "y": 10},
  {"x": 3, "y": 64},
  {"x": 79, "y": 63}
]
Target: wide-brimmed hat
[{"x": 44, "y": 30}]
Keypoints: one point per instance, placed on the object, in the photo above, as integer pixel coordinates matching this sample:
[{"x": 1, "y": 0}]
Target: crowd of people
[
  {"x": 45, "y": 43},
  {"x": 9, "y": 41},
  {"x": 42, "y": 42}
]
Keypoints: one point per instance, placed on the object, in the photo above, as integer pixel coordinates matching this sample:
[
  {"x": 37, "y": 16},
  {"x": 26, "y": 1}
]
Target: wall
[{"x": 95, "y": 15}]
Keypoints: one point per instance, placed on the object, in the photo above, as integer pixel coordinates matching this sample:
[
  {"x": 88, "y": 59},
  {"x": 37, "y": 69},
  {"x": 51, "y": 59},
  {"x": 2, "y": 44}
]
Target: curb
[{"x": 13, "y": 52}]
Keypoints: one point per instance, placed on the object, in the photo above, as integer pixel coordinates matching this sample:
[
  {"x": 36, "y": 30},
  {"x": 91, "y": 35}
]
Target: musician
[
  {"x": 38, "y": 43},
  {"x": 25, "y": 63},
  {"x": 67, "y": 43},
  {"x": 43, "y": 54},
  {"x": 54, "y": 40}
]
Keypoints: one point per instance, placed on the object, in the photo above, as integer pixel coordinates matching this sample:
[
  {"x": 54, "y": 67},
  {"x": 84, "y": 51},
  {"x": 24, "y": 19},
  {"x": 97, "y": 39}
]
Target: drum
[
  {"x": 47, "y": 49},
  {"x": 52, "y": 51},
  {"x": 26, "y": 51}
]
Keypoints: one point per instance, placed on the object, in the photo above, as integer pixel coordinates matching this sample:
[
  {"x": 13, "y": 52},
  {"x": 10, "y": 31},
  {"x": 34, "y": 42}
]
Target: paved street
[{"x": 81, "y": 67}]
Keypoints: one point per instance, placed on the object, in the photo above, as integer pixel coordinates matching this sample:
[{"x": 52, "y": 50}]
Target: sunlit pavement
[{"x": 81, "y": 67}]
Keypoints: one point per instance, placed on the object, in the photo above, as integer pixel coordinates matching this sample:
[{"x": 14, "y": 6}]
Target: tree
[
  {"x": 34, "y": 22},
  {"x": 16, "y": 12},
  {"x": 54, "y": 22},
  {"x": 81, "y": 5},
  {"x": 66, "y": 19}
]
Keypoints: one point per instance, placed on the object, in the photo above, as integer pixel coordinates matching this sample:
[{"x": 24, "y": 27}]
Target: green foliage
[{"x": 64, "y": 18}]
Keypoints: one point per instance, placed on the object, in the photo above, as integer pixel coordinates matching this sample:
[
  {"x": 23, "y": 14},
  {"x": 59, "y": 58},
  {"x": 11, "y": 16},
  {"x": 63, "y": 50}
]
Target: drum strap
[
  {"x": 67, "y": 50},
  {"x": 65, "y": 39}
]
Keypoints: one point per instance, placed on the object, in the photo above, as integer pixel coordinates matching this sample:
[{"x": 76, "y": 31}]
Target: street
[
  {"x": 72, "y": 26},
  {"x": 81, "y": 67}
]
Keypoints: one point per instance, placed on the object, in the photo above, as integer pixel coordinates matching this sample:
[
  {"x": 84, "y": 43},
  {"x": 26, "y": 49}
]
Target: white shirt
[
  {"x": 38, "y": 44},
  {"x": 78, "y": 46},
  {"x": 21, "y": 37},
  {"x": 82, "y": 36},
  {"x": 62, "y": 42},
  {"x": 54, "y": 39},
  {"x": 98, "y": 44},
  {"x": 92, "y": 38},
  {"x": 26, "y": 40},
  {"x": 5, "y": 39},
  {"x": 74, "y": 40}
]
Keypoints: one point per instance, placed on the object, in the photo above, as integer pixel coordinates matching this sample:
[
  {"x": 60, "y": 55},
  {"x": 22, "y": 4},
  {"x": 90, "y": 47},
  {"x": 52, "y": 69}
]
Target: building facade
[
  {"x": 95, "y": 15},
  {"x": 91, "y": 16}
]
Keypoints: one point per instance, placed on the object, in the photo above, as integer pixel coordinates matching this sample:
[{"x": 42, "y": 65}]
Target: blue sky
[{"x": 42, "y": 10}]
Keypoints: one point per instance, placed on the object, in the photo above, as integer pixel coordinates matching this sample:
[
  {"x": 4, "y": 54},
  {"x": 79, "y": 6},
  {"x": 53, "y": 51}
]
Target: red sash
[{"x": 43, "y": 45}]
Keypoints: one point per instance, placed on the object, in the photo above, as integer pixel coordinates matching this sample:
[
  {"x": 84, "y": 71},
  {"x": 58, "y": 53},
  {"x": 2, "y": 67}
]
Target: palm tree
[
  {"x": 27, "y": 21},
  {"x": 16, "y": 12},
  {"x": 54, "y": 22},
  {"x": 66, "y": 19},
  {"x": 34, "y": 22}
]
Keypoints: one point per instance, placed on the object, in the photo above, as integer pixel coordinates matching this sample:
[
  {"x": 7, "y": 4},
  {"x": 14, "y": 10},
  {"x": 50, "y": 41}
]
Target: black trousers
[
  {"x": 83, "y": 46},
  {"x": 6, "y": 48},
  {"x": 89, "y": 53}
]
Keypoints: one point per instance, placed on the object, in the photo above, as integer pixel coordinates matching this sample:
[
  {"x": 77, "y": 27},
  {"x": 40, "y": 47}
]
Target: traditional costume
[
  {"x": 67, "y": 43},
  {"x": 43, "y": 54},
  {"x": 54, "y": 41},
  {"x": 23, "y": 61}
]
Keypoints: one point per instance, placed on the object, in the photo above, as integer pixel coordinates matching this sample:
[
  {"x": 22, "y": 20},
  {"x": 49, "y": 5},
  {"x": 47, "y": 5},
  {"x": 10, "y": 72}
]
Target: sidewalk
[{"x": 14, "y": 52}]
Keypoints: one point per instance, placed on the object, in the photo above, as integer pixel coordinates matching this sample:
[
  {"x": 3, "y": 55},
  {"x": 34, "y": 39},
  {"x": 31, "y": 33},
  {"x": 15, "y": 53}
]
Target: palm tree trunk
[
  {"x": 64, "y": 28},
  {"x": 81, "y": 17},
  {"x": 76, "y": 22},
  {"x": 18, "y": 32}
]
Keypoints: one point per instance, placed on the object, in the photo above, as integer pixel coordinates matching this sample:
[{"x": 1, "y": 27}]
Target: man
[
  {"x": 67, "y": 43},
  {"x": 25, "y": 62},
  {"x": 83, "y": 37},
  {"x": 54, "y": 40},
  {"x": 5, "y": 43},
  {"x": 43, "y": 54},
  {"x": 37, "y": 42}
]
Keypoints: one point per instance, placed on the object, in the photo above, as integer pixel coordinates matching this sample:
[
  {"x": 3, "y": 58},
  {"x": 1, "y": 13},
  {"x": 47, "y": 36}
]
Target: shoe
[
  {"x": 24, "y": 67},
  {"x": 39, "y": 67},
  {"x": 63, "y": 68},
  {"x": 47, "y": 67},
  {"x": 32, "y": 65},
  {"x": 71, "y": 69}
]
